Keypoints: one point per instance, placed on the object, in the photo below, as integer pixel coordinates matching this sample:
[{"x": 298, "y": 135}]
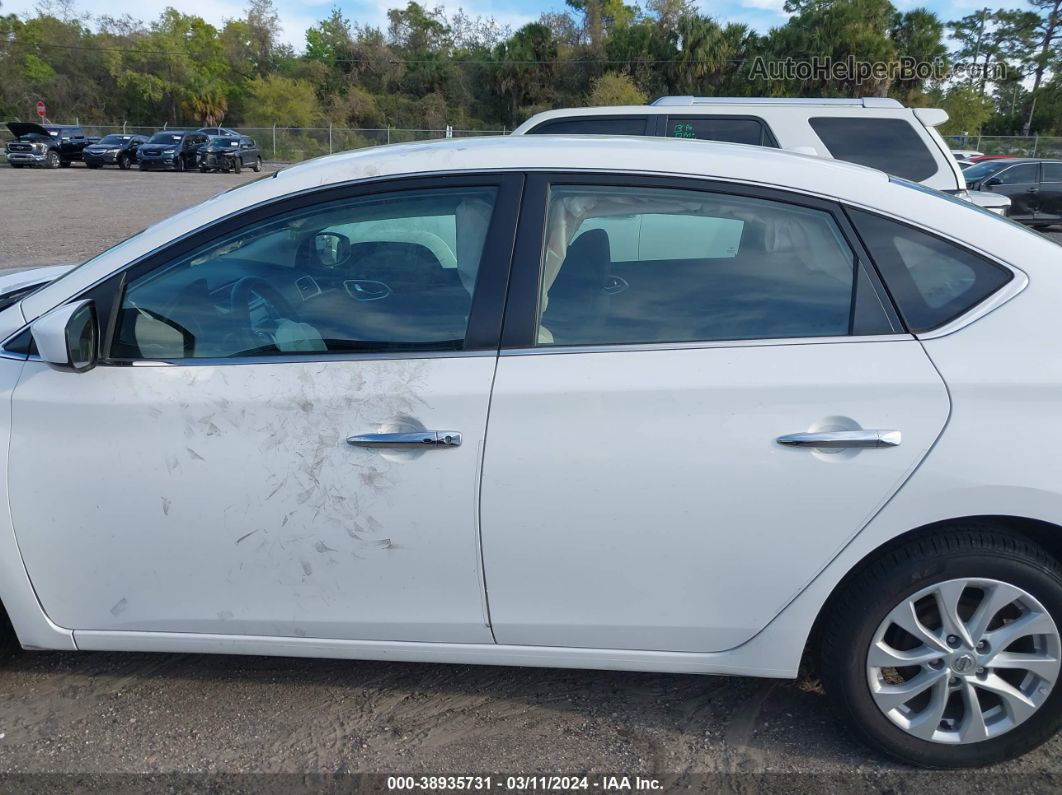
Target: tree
[
  {"x": 281, "y": 100},
  {"x": 1048, "y": 33},
  {"x": 615, "y": 89}
]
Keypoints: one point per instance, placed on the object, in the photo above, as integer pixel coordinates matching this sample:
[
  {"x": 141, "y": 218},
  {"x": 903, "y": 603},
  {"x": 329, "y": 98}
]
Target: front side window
[
  {"x": 627, "y": 265},
  {"x": 390, "y": 272},
  {"x": 932, "y": 281},
  {"x": 890, "y": 145},
  {"x": 1025, "y": 174}
]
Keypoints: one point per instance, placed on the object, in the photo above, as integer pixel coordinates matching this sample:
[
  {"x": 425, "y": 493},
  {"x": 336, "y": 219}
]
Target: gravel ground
[
  {"x": 94, "y": 714},
  {"x": 70, "y": 214}
]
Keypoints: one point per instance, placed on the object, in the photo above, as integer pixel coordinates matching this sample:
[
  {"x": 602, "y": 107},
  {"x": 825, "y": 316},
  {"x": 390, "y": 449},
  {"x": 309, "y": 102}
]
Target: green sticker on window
[{"x": 683, "y": 131}]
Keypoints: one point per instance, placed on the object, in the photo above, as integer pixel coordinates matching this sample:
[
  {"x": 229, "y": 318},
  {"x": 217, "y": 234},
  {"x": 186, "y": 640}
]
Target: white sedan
[{"x": 581, "y": 402}]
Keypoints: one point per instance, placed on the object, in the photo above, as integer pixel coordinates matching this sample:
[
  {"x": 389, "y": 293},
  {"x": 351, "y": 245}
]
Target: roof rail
[{"x": 861, "y": 102}]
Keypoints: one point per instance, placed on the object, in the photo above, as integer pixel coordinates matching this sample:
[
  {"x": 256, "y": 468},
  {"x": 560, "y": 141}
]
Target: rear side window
[
  {"x": 730, "y": 130},
  {"x": 890, "y": 145},
  {"x": 630, "y": 265},
  {"x": 1052, "y": 172},
  {"x": 593, "y": 126},
  {"x": 933, "y": 281}
]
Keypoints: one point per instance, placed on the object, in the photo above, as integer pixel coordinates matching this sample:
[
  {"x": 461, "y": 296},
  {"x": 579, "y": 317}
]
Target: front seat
[{"x": 578, "y": 306}]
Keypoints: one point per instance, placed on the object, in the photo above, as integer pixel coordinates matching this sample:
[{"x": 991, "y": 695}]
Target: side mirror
[
  {"x": 331, "y": 248},
  {"x": 68, "y": 338},
  {"x": 988, "y": 183}
]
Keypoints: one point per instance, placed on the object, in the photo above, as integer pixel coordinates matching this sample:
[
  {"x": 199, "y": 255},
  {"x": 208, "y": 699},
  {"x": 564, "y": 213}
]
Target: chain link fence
[
  {"x": 292, "y": 144},
  {"x": 1014, "y": 145}
]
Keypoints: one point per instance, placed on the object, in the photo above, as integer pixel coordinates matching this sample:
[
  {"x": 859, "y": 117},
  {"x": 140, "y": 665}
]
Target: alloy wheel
[{"x": 963, "y": 660}]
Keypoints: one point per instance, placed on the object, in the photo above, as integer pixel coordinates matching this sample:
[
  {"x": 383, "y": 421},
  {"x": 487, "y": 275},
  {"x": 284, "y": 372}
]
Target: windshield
[
  {"x": 166, "y": 138},
  {"x": 220, "y": 140},
  {"x": 979, "y": 171},
  {"x": 33, "y": 136},
  {"x": 114, "y": 139}
]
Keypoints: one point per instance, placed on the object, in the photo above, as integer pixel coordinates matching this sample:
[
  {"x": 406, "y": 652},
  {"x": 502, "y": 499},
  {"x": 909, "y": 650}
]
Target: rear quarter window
[
  {"x": 890, "y": 145},
  {"x": 932, "y": 280},
  {"x": 633, "y": 125}
]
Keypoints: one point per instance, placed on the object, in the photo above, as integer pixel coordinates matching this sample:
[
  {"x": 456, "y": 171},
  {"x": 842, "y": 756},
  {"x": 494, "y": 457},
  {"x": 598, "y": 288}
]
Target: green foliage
[
  {"x": 615, "y": 89},
  {"x": 429, "y": 68}
]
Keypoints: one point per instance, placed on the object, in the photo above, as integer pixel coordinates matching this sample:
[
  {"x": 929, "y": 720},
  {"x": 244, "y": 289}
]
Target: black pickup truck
[{"x": 45, "y": 145}]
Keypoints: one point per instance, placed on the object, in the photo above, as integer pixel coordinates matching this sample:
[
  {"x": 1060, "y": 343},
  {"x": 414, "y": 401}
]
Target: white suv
[{"x": 872, "y": 131}]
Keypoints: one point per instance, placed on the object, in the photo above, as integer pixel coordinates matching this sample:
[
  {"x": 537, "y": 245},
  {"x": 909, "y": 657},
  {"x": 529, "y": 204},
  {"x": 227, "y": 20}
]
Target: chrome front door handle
[
  {"x": 427, "y": 439},
  {"x": 835, "y": 439}
]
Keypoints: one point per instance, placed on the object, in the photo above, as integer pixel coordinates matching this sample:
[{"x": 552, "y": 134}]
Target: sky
[{"x": 297, "y": 15}]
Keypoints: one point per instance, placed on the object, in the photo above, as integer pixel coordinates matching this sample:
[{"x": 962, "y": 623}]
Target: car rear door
[
  {"x": 1050, "y": 193},
  {"x": 679, "y": 360}
]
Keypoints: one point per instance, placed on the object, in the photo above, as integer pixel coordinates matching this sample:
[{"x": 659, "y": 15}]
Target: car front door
[
  {"x": 1021, "y": 184},
  {"x": 660, "y": 471},
  {"x": 232, "y": 467},
  {"x": 1050, "y": 193}
]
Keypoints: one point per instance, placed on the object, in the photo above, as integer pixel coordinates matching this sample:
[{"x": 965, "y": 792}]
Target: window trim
[
  {"x": 521, "y": 310},
  {"x": 766, "y": 133},
  {"x": 485, "y": 314}
]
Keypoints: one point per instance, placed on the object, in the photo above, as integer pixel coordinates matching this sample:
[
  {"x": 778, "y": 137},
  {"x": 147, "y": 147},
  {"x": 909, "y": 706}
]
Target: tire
[
  {"x": 52, "y": 160},
  {"x": 123, "y": 162},
  {"x": 237, "y": 165},
  {"x": 860, "y": 617},
  {"x": 9, "y": 645},
  {"x": 257, "y": 165},
  {"x": 178, "y": 163}
]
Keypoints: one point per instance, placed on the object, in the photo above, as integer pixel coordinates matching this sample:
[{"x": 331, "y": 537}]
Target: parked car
[
  {"x": 116, "y": 149},
  {"x": 981, "y": 158},
  {"x": 229, "y": 153},
  {"x": 744, "y": 409},
  {"x": 1033, "y": 186},
  {"x": 872, "y": 131},
  {"x": 44, "y": 145},
  {"x": 171, "y": 149},
  {"x": 218, "y": 131}
]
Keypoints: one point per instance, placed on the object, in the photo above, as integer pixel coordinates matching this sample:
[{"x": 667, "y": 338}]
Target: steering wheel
[{"x": 240, "y": 303}]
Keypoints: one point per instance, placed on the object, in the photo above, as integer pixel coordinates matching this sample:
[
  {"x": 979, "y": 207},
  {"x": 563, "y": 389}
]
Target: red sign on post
[{"x": 41, "y": 108}]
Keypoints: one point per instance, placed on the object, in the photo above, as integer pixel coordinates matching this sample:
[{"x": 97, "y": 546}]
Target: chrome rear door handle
[
  {"x": 836, "y": 439},
  {"x": 428, "y": 439}
]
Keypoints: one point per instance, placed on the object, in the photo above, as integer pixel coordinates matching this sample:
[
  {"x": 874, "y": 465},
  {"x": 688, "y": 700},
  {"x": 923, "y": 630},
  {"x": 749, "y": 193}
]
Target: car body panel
[
  {"x": 774, "y": 649},
  {"x": 307, "y": 537}
]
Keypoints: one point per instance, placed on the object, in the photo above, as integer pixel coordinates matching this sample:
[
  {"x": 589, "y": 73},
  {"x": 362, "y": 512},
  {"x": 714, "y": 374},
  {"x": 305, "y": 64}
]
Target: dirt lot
[
  {"x": 71, "y": 214},
  {"x": 95, "y": 714}
]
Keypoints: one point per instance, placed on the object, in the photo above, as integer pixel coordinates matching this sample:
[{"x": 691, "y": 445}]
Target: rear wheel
[
  {"x": 945, "y": 652},
  {"x": 257, "y": 164},
  {"x": 9, "y": 644}
]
